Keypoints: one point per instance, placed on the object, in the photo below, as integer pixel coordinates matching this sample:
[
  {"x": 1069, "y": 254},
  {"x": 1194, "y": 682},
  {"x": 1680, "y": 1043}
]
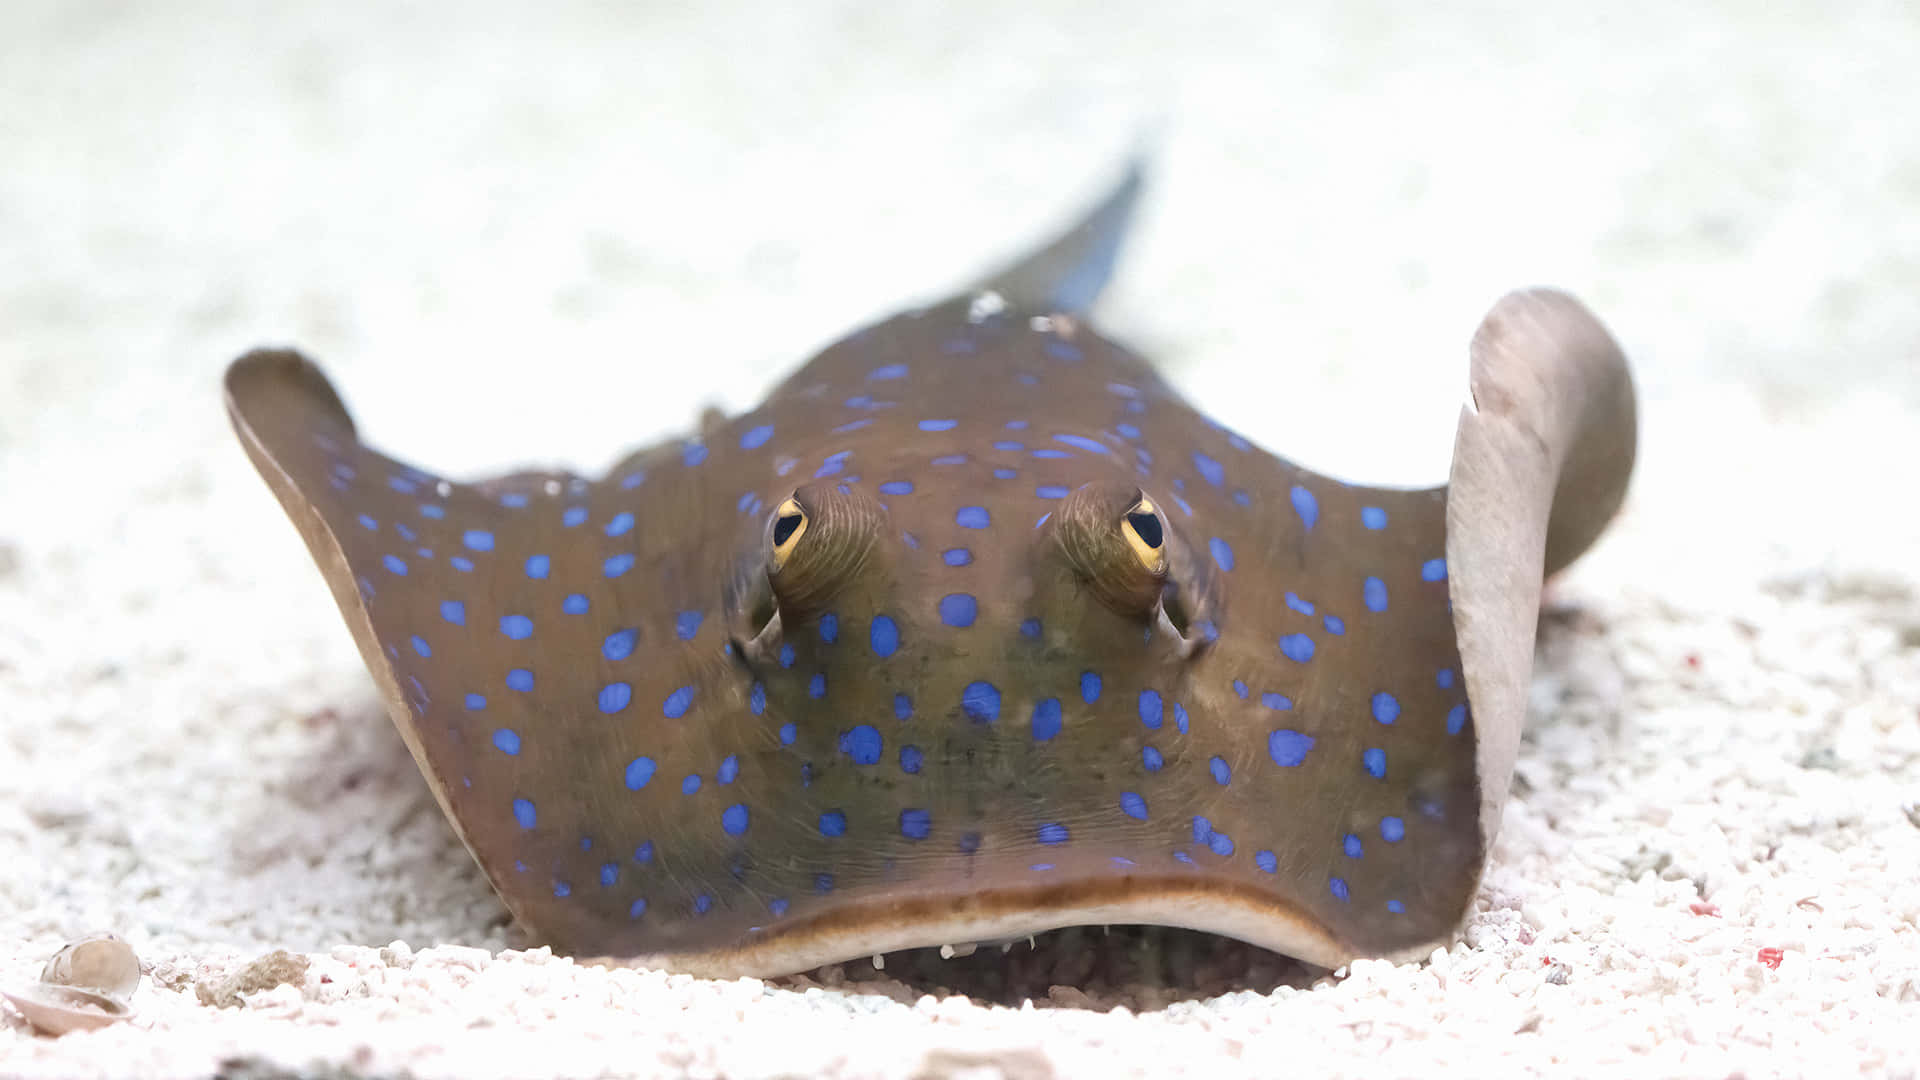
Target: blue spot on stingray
[
  {"x": 729, "y": 769},
  {"x": 823, "y": 883},
  {"x": 757, "y": 698},
  {"x": 1299, "y": 605},
  {"x": 1240, "y": 688},
  {"x": 1202, "y": 828},
  {"x": 910, "y": 759},
  {"x": 639, "y": 772},
  {"x": 1180, "y": 717},
  {"x": 734, "y": 819},
  {"x": 402, "y": 485},
  {"x": 1182, "y": 504},
  {"x": 786, "y": 655},
  {"x": 884, "y": 636},
  {"x": 916, "y": 824},
  {"x": 756, "y": 437},
  {"x": 617, "y": 564},
  {"x": 958, "y": 609},
  {"x": 637, "y": 908},
  {"x": 562, "y": 890},
  {"x": 677, "y": 703},
  {"x": 950, "y": 459},
  {"x": 633, "y": 480},
  {"x": 833, "y": 823},
  {"x": 1208, "y": 629},
  {"x": 1082, "y": 442},
  {"x": 1220, "y": 844},
  {"x": 432, "y": 510},
  {"x": 517, "y": 627},
  {"x": 644, "y": 853},
  {"x": 956, "y": 556},
  {"x": 938, "y": 425},
  {"x": 1456, "y": 719},
  {"x": 394, "y": 565},
  {"x": 1222, "y": 553},
  {"x": 1288, "y": 748},
  {"x": 691, "y": 784},
  {"x": 1050, "y": 454},
  {"x": 1396, "y": 907},
  {"x": 619, "y": 644},
  {"x": 476, "y": 702},
  {"x": 832, "y": 464},
  {"x": 1004, "y": 473},
  {"x": 1210, "y": 470},
  {"x": 574, "y": 604},
  {"x": 1151, "y": 709},
  {"x": 615, "y": 696},
  {"x": 1335, "y": 625},
  {"x": 506, "y": 740},
  {"x": 1181, "y": 856},
  {"x": 788, "y": 733},
  {"x": 1051, "y": 491},
  {"x": 890, "y": 371},
  {"x": 1046, "y": 719},
  {"x": 574, "y": 515},
  {"x": 972, "y": 517},
  {"x": 513, "y": 500},
  {"x": 1276, "y": 701},
  {"x": 1373, "y": 517},
  {"x": 1338, "y": 887},
  {"x": 1089, "y": 686},
  {"x": 1433, "y": 570},
  {"x": 817, "y": 685},
  {"x": 520, "y": 679},
  {"x": 1127, "y": 431},
  {"x": 523, "y": 813},
  {"x": 980, "y": 700},
  {"x": 687, "y": 624},
  {"x": 368, "y": 522},
  {"x": 454, "y": 612},
  {"x": 1008, "y": 446},
  {"x": 1222, "y": 772},
  {"x": 1150, "y": 759},
  {"x": 693, "y": 454},
  {"x": 1043, "y": 519},
  {"x": 1375, "y": 760},
  {"x": 1351, "y": 845},
  {"x": 609, "y": 873},
  {"x": 902, "y": 706},
  {"x": 897, "y": 487},
  {"x": 621, "y": 524},
  {"x": 1386, "y": 707},
  {"x": 1305, "y": 505},
  {"x": 460, "y": 563},
  {"x": 862, "y": 744},
  {"x": 1443, "y": 678},
  {"x": 829, "y": 627},
  {"x": 538, "y": 566},
  {"x": 1030, "y": 628},
  {"x": 1392, "y": 829},
  {"x": 703, "y": 903},
  {"x": 1266, "y": 861},
  {"x": 1052, "y": 833},
  {"x": 1241, "y": 498},
  {"x": 1374, "y": 593},
  {"x": 1133, "y": 805}
]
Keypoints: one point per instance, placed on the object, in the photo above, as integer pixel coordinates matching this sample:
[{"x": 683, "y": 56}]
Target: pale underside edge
[{"x": 879, "y": 927}]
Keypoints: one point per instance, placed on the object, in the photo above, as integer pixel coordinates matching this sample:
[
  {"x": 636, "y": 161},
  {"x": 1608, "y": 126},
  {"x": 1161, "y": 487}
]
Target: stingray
[{"x": 973, "y": 628}]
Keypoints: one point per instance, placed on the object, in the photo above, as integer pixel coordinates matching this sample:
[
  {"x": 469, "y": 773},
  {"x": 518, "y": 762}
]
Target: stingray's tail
[{"x": 1068, "y": 274}]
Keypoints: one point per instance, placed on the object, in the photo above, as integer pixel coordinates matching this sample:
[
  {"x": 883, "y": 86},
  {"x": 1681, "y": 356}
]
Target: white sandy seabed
[{"x": 516, "y": 238}]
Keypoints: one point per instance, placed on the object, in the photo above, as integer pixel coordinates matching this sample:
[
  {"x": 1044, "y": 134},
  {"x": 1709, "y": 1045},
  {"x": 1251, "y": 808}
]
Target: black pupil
[
  {"x": 783, "y": 527},
  {"x": 1148, "y": 526}
]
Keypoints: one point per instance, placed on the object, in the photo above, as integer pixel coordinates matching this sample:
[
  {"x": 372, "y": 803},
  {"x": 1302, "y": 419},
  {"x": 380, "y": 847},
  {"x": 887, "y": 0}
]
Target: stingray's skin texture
[{"x": 957, "y": 714}]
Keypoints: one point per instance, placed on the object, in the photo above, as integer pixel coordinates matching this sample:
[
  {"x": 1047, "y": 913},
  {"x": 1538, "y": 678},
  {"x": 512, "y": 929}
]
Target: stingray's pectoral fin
[{"x": 1540, "y": 464}]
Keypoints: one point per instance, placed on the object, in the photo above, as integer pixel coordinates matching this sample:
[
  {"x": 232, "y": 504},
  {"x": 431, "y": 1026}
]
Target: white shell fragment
[
  {"x": 57, "y": 1010},
  {"x": 100, "y": 962}
]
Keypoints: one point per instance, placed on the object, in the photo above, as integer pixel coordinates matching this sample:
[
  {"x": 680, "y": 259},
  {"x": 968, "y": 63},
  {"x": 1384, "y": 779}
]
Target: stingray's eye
[
  {"x": 1144, "y": 535},
  {"x": 789, "y": 525}
]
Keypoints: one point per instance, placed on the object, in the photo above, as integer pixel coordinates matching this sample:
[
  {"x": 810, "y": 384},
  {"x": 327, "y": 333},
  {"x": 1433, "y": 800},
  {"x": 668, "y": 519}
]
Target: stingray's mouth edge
[{"x": 890, "y": 924}]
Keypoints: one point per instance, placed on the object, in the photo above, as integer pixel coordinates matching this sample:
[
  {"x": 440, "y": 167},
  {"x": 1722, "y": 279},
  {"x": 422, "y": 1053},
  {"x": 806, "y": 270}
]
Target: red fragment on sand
[
  {"x": 1701, "y": 907},
  {"x": 1770, "y": 957},
  {"x": 1693, "y": 660}
]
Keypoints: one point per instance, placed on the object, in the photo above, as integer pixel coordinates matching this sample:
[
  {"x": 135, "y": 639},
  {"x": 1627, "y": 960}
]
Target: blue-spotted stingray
[{"x": 973, "y": 628}]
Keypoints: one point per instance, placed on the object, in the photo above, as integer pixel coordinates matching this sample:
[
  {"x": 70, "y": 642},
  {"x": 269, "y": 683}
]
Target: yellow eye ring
[
  {"x": 789, "y": 525},
  {"x": 1145, "y": 535}
]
